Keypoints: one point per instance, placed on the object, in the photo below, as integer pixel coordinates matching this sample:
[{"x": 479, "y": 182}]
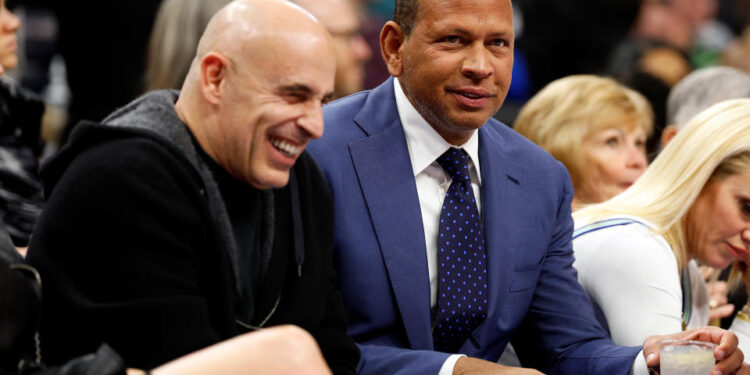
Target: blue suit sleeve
[
  {"x": 560, "y": 334},
  {"x": 378, "y": 359}
]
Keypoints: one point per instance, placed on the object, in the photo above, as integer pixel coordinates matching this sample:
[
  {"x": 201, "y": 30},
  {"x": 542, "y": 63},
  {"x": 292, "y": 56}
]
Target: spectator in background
[
  {"x": 342, "y": 19},
  {"x": 695, "y": 93},
  {"x": 657, "y": 21},
  {"x": 636, "y": 252},
  {"x": 700, "y": 90},
  {"x": 596, "y": 127},
  {"x": 654, "y": 58},
  {"x": 737, "y": 53},
  {"x": 651, "y": 67},
  {"x": 178, "y": 26},
  {"x": 20, "y": 144},
  {"x": 711, "y": 36}
]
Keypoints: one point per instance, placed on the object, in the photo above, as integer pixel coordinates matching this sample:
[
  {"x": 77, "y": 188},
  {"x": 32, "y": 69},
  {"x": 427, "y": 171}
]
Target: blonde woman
[
  {"x": 635, "y": 253},
  {"x": 596, "y": 127}
]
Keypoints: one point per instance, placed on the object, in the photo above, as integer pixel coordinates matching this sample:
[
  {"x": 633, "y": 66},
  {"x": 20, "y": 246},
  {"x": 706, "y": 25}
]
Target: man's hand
[
  {"x": 476, "y": 366},
  {"x": 729, "y": 358}
]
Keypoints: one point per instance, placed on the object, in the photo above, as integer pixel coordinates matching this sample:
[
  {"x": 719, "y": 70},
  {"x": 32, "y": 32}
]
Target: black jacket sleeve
[{"x": 123, "y": 250}]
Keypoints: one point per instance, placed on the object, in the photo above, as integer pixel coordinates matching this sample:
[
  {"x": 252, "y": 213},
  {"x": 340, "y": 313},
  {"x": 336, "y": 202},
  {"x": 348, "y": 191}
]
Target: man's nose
[
  {"x": 11, "y": 23},
  {"x": 312, "y": 120},
  {"x": 477, "y": 65}
]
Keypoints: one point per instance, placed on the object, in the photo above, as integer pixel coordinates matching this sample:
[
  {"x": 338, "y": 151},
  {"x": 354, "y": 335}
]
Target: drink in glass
[{"x": 686, "y": 357}]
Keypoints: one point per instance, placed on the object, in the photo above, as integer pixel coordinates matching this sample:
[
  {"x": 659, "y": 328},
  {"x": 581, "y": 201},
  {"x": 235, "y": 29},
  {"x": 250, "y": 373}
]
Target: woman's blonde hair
[
  {"x": 713, "y": 145},
  {"x": 174, "y": 39},
  {"x": 562, "y": 114}
]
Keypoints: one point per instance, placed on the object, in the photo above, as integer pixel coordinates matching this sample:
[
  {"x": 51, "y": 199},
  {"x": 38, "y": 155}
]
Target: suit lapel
[
  {"x": 385, "y": 175},
  {"x": 501, "y": 180}
]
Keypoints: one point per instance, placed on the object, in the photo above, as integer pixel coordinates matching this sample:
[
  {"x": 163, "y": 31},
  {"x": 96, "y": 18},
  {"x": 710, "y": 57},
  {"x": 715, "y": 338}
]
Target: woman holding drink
[{"x": 636, "y": 253}]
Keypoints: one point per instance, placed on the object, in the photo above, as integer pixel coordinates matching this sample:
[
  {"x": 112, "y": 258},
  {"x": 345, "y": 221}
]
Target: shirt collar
[{"x": 424, "y": 143}]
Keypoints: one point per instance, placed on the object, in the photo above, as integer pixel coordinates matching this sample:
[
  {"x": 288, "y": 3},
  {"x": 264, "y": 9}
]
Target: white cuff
[
  {"x": 449, "y": 364},
  {"x": 639, "y": 365}
]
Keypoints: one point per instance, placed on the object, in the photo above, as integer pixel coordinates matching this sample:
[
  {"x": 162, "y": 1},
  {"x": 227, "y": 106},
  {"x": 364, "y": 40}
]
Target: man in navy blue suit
[{"x": 388, "y": 156}]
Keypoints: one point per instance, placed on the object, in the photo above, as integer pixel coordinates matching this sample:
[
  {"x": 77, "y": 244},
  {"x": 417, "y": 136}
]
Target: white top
[
  {"x": 425, "y": 146},
  {"x": 631, "y": 274}
]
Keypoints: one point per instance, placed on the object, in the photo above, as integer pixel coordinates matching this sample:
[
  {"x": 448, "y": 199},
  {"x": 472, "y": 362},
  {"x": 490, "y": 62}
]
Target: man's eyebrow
[
  {"x": 502, "y": 34},
  {"x": 497, "y": 34},
  {"x": 296, "y": 88}
]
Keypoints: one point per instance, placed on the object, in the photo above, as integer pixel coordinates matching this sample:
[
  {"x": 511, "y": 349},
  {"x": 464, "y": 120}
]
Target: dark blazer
[
  {"x": 131, "y": 254},
  {"x": 534, "y": 297}
]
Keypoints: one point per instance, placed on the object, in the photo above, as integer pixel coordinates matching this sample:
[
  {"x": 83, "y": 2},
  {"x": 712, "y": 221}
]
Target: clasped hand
[{"x": 729, "y": 359}]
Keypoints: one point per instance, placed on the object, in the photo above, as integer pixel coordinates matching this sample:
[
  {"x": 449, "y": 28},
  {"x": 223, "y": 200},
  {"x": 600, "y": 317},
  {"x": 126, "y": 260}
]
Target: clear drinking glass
[{"x": 686, "y": 357}]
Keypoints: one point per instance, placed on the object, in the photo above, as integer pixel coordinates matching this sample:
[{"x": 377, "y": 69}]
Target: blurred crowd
[
  {"x": 85, "y": 62},
  {"x": 602, "y": 86}
]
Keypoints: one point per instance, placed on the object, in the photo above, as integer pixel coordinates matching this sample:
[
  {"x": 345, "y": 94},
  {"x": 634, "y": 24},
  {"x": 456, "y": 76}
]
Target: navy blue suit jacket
[{"x": 534, "y": 297}]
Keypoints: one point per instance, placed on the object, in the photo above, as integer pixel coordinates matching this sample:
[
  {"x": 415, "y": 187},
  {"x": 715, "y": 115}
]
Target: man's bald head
[
  {"x": 239, "y": 29},
  {"x": 254, "y": 92}
]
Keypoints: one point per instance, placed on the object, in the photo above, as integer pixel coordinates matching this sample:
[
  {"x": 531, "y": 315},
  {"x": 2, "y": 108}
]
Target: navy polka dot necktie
[{"x": 462, "y": 273}]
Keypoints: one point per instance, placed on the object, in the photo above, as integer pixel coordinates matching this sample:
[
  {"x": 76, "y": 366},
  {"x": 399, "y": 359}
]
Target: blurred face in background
[
  {"x": 9, "y": 24},
  {"x": 613, "y": 157},
  {"x": 342, "y": 20},
  {"x": 666, "y": 64},
  {"x": 695, "y": 12},
  {"x": 659, "y": 21}
]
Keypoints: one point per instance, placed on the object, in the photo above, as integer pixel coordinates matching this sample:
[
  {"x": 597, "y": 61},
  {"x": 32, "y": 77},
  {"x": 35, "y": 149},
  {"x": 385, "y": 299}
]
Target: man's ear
[
  {"x": 392, "y": 39},
  {"x": 213, "y": 73},
  {"x": 667, "y": 134}
]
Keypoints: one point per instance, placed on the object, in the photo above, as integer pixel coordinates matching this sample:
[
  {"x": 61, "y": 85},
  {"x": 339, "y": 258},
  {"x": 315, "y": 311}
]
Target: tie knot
[{"x": 455, "y": 162}]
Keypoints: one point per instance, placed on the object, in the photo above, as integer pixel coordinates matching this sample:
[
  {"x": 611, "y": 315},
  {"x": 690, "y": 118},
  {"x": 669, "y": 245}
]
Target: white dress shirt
[{"x": 425, "y": 146}]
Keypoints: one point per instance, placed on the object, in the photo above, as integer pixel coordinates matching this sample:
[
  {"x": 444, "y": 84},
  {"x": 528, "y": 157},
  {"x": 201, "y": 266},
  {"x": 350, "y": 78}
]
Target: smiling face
[
  {"x": 455, "y": 66},
  {"x": 613, "y": 157},
  {"x": 9, "y": 24},
  {"x": 253, "y": 98},
  {"x": 717, "y": 226},
  {"x": 272, "y": 109}
]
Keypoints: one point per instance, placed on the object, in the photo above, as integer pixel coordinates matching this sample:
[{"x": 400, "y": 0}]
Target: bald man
[
  {"x": 186, "y": 218},
  {"x": 341, "y": 18}
]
